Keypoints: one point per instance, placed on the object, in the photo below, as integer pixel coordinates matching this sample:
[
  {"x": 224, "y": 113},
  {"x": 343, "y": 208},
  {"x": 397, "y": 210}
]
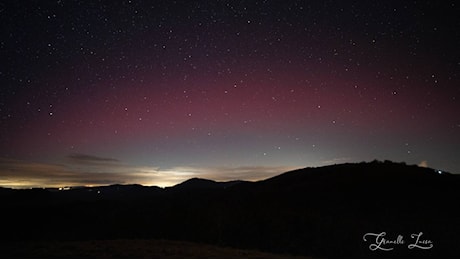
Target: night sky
[{"x": 157, "y": 92}]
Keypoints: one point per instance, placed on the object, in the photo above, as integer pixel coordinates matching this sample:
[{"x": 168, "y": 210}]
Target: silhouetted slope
[
  {"x": 112, "y": 192},
  {"x": 340, "y": 203},
  {"x": 196, "y": 183},
  {"x": 202, "y": 184},
  {"x": 319, "y": 212},
  {"x": 352, "y": 173}
]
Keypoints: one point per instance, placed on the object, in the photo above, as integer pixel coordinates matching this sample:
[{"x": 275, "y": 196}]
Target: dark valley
[{"x": 355, "y": 210}]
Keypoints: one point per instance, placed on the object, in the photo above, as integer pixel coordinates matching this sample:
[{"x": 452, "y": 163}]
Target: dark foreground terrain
[
  {"x": 372, "y": 210},
  {"x": 132, "y": 248}
]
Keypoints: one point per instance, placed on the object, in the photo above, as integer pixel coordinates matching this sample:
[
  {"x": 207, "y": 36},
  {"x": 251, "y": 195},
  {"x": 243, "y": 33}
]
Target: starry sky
[{"x": 156, "y": 92}]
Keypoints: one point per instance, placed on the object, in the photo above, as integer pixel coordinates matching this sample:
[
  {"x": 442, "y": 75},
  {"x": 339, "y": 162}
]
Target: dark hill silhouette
[
  {"x": 374, "y": 172},
  {"x": 313, "y": 212},
  {"x": 202, "y": 184},
  {"x": 112, "y": 192}
]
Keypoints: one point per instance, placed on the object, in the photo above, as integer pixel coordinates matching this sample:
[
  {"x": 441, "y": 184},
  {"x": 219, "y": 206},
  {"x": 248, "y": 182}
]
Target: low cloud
[
  {"x": 89, "y": 159},
  {"x": 172, "y": 176},
  {"x": 336, "y": 161},
  {"x": 88, "y": 170},
  {"x": 249, "y": 173},
  {"x": 423, "y": 164},
  {"x": 24, "y": 174},
  {"x": 16, "y": 173}
]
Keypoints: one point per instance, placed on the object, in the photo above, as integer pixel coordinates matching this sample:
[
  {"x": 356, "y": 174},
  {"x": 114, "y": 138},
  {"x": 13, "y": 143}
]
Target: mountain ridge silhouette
[
  {"x": 314, "y": 212},
  {"x": 387, "y": 169}
]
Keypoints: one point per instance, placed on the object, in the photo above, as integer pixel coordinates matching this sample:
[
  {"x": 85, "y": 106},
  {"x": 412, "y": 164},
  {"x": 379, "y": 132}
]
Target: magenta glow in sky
[{"x": 155, "y": 93}]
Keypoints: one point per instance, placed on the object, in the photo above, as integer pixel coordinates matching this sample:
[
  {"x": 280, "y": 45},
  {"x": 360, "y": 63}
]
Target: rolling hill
[{"x": 312, "y": 212}]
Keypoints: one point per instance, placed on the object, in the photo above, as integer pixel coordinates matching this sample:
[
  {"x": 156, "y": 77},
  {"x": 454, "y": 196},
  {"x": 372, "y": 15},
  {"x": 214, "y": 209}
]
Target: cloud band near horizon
[{"x": 89, "y": 170}]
